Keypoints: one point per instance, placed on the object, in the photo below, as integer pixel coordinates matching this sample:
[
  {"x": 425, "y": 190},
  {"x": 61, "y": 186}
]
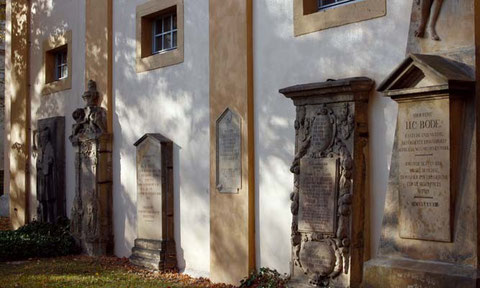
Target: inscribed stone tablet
[
  {"x": 149, "y": 185},
  {"x": 318, "y": 197},
  {"x": 229, "y": 162},
  {"x": 424, "y": 170}
]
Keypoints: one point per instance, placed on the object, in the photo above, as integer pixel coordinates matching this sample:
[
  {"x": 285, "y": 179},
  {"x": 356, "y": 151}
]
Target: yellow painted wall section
[
  {"x": 232, "y": 218},
  {"x": 18, "y": 91},
  {"x": 98, "y": 51}
]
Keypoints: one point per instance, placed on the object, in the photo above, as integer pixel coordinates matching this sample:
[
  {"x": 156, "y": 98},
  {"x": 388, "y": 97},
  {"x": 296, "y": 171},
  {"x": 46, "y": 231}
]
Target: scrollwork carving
[{"x": 324, "y": 135}]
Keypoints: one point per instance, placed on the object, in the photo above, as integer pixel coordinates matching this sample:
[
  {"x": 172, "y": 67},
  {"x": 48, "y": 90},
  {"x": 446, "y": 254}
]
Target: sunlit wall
[{"x": 174, "y": 101}]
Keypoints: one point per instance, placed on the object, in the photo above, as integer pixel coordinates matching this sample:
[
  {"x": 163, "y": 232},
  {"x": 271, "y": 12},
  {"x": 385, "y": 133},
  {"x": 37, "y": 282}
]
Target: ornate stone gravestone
[
  {"x": 329, "y": 229},
  {"x": 91, "y": 215},
  {"x": 50, "y": 165},
  {"x": 155, "y": 243},
  {"x": 429, "y": 229}
]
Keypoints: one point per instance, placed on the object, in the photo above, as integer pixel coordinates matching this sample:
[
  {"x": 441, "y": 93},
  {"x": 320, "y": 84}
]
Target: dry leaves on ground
[{"x": 114, "y": 263}]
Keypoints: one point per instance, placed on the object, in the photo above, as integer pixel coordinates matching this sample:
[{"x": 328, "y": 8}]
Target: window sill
[
  {"x": 158, "y": 60},
  {"x": 57, "y": 86},
  {"x": 335, "y": 16}
]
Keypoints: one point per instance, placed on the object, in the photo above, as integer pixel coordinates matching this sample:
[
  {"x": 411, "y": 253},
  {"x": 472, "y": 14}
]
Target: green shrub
[
  {"x": 37, "y": 240},
  {"x": 264, "y": 278}
]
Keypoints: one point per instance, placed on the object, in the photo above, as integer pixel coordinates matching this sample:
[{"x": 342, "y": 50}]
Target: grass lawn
[{"x": 82, "y": 271}]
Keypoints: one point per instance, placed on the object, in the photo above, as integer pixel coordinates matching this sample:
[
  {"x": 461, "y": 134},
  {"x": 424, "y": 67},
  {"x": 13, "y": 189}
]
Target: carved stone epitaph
[
  {"x": 429, "y": 230},
  {"x": 328, "y": 201},
  {"x": 155, "y": 244},
  {"x": 424, "y": 170},
  {"x": 49, "y": 150},
  {"x": 91, "y": 214},
  {"x": 229, "y": 148}
]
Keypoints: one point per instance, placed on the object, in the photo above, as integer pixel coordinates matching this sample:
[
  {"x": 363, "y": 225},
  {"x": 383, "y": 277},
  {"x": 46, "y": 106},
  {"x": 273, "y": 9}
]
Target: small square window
[
  {"x": 164, "y": 33},
  {"x": 57, "y": 63},
  {"x": 323, "y": 4},
  {"x": 61, "y": 64},
  {"x": 159, "y": 34}
]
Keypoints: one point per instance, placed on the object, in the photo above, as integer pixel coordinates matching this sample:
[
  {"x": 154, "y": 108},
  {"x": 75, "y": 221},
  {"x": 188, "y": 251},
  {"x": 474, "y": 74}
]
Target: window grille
[
  {"x": 164, "y": 33},
  {"x": 323, "y": 4}
]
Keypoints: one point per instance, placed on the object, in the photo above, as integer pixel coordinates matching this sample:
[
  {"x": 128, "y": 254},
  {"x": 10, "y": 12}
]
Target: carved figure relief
[
  {"x": 46, "y": 178},
  {"x": 49, "y": 153},
  {"x": 324, "y": 135},
  {"x": 430, "y": 10}
]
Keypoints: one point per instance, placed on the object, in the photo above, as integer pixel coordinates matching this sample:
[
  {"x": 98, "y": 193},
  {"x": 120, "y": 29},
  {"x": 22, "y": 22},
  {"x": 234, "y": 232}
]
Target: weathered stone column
[
  {"x": 92, "y": 207},
  {"x": 329, "y": 229}
]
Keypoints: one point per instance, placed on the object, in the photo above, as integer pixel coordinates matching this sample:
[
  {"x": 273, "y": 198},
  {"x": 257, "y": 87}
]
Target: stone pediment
[
  {"x": 155, "y": 136},
  {"x": 425, "y": 74}
]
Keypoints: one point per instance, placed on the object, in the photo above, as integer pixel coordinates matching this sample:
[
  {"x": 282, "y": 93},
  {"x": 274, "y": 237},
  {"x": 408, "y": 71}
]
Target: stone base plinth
[
  {"x": 399, "y": 273},
  {"x": 155, "y": 255}
]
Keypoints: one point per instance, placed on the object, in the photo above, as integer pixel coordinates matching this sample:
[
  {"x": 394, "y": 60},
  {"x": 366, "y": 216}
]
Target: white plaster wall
[
  {"x": 173, "y": 101},
  {"x": 51, "y": 17},
  {"x": 371, "y": 48}
]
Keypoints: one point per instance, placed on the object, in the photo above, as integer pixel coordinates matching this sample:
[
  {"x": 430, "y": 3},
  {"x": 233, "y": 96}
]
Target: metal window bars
[
  {"x": 164, "y": 33},
  {"x": 61, "y": 65},
  {"x": 324, "y": 4}
]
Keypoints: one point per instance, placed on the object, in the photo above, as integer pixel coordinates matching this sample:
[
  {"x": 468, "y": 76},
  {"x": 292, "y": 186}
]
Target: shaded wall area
[
  {"x": 3, "y": 196},
  {"x": 49, "y": 19}
]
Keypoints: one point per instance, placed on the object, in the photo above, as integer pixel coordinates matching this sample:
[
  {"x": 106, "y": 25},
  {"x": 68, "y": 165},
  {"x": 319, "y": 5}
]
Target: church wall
[
  {"x": 172, "y": 101},
  {"x": 370, "y": 48},
  {"x": 49, "y": 18}
]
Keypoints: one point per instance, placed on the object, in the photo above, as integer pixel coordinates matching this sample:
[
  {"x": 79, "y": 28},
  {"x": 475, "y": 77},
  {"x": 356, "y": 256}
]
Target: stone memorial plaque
[
  {"x": 424, "y": 170},
  {"x": 229, "y": 161},
  {"x": 318, "y": 195},
  {"x": 149, "y": 187}
]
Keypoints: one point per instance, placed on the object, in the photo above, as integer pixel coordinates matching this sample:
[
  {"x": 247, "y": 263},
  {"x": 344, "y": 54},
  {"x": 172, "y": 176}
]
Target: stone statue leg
[
  {"x": 425, "y": 6},
  {"x": 437, "y": 5}
]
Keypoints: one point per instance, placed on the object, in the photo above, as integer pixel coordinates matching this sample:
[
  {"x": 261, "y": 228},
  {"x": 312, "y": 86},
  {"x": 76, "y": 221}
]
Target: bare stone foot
[
  {"x": 434, "y": 35},
  {"x": 420, "y": 32}
]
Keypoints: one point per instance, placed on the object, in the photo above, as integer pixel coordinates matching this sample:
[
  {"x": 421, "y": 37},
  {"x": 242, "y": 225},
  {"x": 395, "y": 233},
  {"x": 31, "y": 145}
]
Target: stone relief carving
[
  {"x": 18, "y": 147},
  {"x": 430, "y": 10},
  {"x": 91, "y": 221},
  {"x": 46, "y": 178},
  {"x": 49, "y": 152},
  {"x": 324, "y": 135}
]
